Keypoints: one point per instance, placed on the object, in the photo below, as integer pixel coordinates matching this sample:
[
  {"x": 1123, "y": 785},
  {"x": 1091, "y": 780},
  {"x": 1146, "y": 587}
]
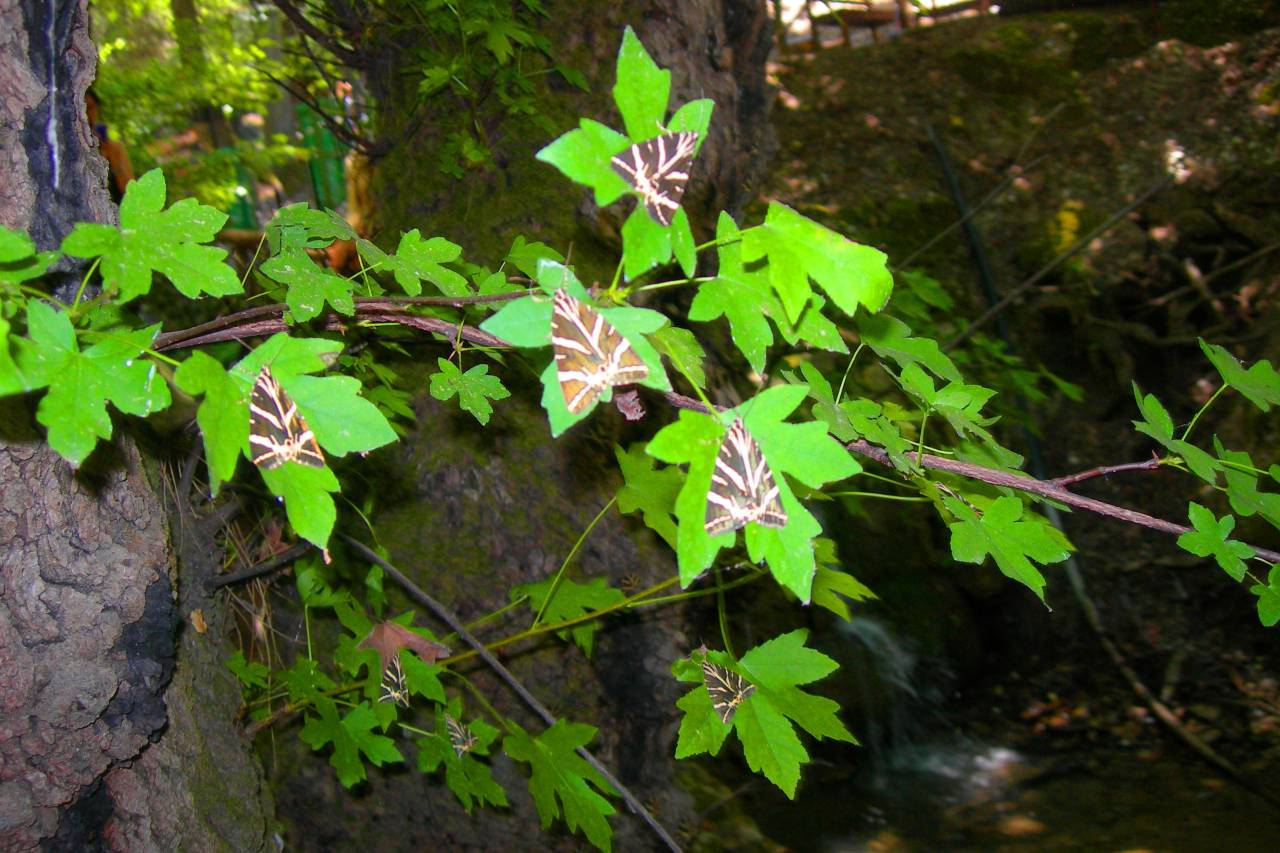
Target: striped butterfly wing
[
  {"x": 460, "y": 736},
  {"x": 728, "y": 689},
  {"x": 395, "y": 688},
  {"x": 658, "y": 169},
  {"x": 277, "y": 431},
  {"x": 590, "y": 353},
  {"x": 742, "y": 486}
]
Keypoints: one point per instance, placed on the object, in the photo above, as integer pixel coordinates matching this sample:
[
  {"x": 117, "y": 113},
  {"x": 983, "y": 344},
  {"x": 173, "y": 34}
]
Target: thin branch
[
  {"x": 1103, "y": 470},
  {"x": 267, "y": 566},
  {"x": 1019, "y": 291},
  {"x": 1047, "y": 489},
  {"x": 349, "y": 57},
  {"x": 180, "y": 339},
  {"x": 445, "y": 615}
]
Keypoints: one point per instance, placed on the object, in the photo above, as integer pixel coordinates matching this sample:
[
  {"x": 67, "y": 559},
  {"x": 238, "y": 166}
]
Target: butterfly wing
[
  {"x": 460, "y": 736},
  {"x": 395, "y": 688},
  {"x": 277, "y": 431},
  {"x": 742, "y": 486},
  {"x": 590, "y": 353},
  {"x": 658, "y": 169},
  {"x": 728, "y": 689}
]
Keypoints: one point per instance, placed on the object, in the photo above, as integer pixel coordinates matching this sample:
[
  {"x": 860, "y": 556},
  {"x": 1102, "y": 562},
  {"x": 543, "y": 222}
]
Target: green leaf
[
  {"x": 770, "y": 743},
  {"x": 829, "y": 584},
  {"x": 223, "y": 415},
  {"x": 764, "y": 720},
  {"x": 642, "y": 89},
  {"x": 299, "y": 226},
  {"x": 15, "y": 246},
  {"x": 152, "y": 240},
  {"x": 417, "y": 259},
  {"x": 524, "y": 322},
  {"x": 1242, "y": 486},
  {"x": 342, "y": 420},
  {"x": 1155, "y": 418},
  {"x": 650, "y": 490},
  {"x": 1269, "y": 598},
  {"x": 19, "y": 260},
  {"x": 583, "y": 156},
  {"x": 891, "y": 339},
  {"x": 310, "y": 287},
  {"x": 693, "y": 115},
  {"x": 305, "y": 681},
  {"x": 737, "y": 295},
  {"x": 645, "y": 244},
  {"x": 470, "y": 780},
  {"x": 525, "y": 255},
  {"x": 1260, "y": 383},
  {"x": 798, "y": 249},
  {"x": 307, "y": 502},
  {"x": 351, "y": 735},
  {"x": 80, "y": 384},
  {"x": 683, "y": 350},
  {"x": 248, "y": 674},
  {"x": 1209, "y": 539},
  {"x": 569, "y": 600},
  {"x": 475, "y": 388},
  {"x": 422, "y": 678},
  {"x": 805, "y": 451},
  {"x": 560, "y": 774},
  {"x": 1008, "y": 533},
  {"x": 1158, "y": 424}
]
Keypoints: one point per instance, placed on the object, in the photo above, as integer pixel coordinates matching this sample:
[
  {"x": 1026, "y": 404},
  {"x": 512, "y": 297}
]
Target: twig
[
  {"x": 1047, "y": 489},
  {"x": 1018, "y": 292},
  {"x": 259, "y": 569},
  {"x": 177, "y": 339},
  {"x": 445, "y": 615},
  {"x": 1103, "y": 470}
]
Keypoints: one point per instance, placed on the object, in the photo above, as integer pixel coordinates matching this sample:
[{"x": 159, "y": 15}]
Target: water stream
[{"x": 920, "y": 784}]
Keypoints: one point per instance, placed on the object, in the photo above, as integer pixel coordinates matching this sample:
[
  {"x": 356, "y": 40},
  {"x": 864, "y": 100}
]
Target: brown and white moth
[
  {"x": 460, "y": 736},
  {"x": 658, "y": 169},
  {"x": 590, "y": 353},
  {"x": 728, "y": 689},
  {"x": 277, "y": 431},
  {"x": 742, "y": 486}
]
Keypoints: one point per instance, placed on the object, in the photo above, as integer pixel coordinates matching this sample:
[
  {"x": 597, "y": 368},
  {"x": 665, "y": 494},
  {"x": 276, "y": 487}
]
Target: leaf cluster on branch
[{"x": 788, "y": 284}]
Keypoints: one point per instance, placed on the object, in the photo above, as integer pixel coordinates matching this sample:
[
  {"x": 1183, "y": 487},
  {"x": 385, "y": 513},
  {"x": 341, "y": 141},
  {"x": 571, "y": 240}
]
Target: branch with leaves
[{"x": 722, "y": 487}]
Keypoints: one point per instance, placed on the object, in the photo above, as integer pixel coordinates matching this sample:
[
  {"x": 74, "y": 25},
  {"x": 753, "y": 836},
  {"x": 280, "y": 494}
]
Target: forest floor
[{"x": 1063, "y": 120}]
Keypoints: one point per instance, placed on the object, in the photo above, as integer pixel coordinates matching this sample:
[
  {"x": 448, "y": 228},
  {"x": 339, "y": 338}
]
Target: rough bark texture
[{"x": 87, "y": 612}]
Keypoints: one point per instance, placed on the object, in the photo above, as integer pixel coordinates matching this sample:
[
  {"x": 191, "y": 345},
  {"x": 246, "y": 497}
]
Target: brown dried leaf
[{"x": 387, "y": 638}]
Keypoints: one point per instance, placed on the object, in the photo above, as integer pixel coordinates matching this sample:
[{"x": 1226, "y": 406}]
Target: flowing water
[{"x": 921, "y": 785}]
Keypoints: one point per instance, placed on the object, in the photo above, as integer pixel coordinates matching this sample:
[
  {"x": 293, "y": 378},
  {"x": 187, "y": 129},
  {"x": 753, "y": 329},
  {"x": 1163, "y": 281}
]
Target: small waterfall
[{"x": 896, "y": 704}]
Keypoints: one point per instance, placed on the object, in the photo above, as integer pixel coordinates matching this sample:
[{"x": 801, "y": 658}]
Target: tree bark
[{"x": 98, "y": 749}]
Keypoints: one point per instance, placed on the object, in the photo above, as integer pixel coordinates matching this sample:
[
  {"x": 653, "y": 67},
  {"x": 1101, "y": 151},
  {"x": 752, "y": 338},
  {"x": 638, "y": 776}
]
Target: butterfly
[
  {"x": 742, "y": 487},
  {"x": 277, "y": 431},
  {"x": 728, "y": 689},
  {"x": 658, "y": 169},
  {"x": 590, "y": 354},
  {"x": 460, "y": 737},
  {"x": 395, "y": 688}
]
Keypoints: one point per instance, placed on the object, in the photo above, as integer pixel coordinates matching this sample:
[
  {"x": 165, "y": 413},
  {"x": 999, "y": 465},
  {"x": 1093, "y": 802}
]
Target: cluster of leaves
[{"x": 787, "y": 279}]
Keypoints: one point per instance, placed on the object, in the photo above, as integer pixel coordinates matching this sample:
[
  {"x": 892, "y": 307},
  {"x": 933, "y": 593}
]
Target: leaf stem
[
  {"x": 1203, "y": 409},
  {"x": 546, "y": 601}
]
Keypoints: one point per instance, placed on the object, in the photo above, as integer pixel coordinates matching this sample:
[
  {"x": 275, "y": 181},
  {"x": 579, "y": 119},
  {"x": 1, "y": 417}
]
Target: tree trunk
[{"x": 103, "y": 744}]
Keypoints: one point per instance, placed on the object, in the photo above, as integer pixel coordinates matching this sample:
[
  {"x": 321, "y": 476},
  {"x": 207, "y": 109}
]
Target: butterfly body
[
  {"x": 728, "y": 690},
  {"x": 658, "y": 169},
  {"x": 742, "y": 486},
  {"x": 277, "y": 431},
  {"x": 590, "y": 353}
]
